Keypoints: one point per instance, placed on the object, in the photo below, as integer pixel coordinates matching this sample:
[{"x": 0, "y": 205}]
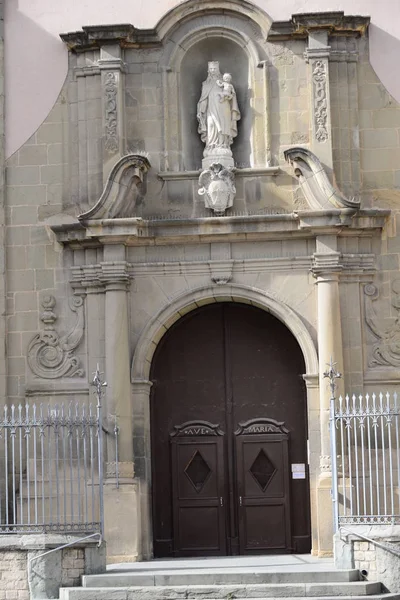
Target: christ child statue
[{"x": 228, "y": 90}]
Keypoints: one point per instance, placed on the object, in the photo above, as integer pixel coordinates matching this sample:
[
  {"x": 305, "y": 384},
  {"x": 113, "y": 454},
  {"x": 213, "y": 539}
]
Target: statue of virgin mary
[{"x": 217, "y": 111}]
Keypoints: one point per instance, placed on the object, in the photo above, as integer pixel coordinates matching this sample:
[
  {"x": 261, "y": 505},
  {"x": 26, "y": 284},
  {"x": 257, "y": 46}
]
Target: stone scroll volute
[
  {"x": 386, "y": 350},
  {"x": 51, "y": 355}
]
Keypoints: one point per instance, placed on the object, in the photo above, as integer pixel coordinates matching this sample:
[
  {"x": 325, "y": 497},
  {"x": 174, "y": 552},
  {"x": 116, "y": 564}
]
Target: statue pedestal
[{"x": 222, "y": 156}]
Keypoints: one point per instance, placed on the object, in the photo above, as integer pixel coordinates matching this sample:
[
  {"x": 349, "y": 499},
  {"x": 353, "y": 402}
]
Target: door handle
[
  {"x": 221, "y": 501},
  {"x": 240, "y": 501}
]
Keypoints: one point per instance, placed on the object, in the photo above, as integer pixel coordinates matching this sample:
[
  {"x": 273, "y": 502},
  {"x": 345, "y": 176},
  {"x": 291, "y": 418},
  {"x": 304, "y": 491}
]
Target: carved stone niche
[
  {"x": 124, "y": 190},
  {"x": 232, "y": 33}
]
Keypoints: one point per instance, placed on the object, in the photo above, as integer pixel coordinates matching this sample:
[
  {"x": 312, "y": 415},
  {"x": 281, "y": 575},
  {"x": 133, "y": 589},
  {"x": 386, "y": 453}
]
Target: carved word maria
[
  {"x": 262, "y": 429},
  {"x": 51, "y": 356}
]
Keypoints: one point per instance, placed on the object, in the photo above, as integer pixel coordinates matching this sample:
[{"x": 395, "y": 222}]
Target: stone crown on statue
[{"x": 213, "y": 64}]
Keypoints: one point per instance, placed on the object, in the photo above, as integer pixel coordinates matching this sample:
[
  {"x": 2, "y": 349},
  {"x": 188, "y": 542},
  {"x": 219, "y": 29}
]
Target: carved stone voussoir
[
  {"x": 51, "y": 356},
  {"x": 218, "y": 188}
]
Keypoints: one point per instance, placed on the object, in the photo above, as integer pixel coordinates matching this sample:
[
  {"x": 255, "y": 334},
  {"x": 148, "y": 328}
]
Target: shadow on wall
[
  {"x": 233, "y": 60},
  {"x": 384, "y": 58},
  {"x": 35, "y": 71}
]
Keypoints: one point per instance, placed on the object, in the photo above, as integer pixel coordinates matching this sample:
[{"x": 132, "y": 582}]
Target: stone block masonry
[
  {"x": 27, "y": 573},
  {"x": 13, "y": 575}
]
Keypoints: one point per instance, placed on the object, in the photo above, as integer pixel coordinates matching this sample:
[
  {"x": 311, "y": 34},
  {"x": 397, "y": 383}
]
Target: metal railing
[
  {"x": 51, "y": 476},
  {"x": 365, "y": 436}
]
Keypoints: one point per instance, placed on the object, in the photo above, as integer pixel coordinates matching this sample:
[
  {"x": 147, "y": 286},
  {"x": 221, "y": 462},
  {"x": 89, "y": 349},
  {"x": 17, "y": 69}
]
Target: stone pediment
[
  {"x": 125, "y": 184},
  {"x": 318, "y": 191}
]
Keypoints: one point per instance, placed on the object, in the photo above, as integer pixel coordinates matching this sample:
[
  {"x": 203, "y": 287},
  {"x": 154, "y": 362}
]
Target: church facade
[{"x": 209, "y": 213}]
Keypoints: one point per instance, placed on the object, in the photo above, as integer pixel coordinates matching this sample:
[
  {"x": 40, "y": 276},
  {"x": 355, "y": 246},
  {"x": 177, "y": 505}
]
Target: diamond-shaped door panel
[
  {"x": 262, "y": 470},
  {"x": 197, "y": 471}
]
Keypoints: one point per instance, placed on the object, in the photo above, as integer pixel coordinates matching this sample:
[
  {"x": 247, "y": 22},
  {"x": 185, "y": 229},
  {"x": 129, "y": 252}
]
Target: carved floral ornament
[
  {"x": 320, "y": 101},
  {"x": 111, "y": 123},
  {"x": 386, "y": 351},
  {"x": 51, "y": 356}
]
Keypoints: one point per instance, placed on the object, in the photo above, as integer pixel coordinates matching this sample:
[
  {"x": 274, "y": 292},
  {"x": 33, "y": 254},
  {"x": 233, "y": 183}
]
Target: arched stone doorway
[{"x": 228, "y": 422}]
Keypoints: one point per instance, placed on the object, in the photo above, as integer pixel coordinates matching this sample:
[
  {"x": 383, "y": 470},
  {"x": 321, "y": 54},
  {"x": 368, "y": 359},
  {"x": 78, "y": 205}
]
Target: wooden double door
[{"x": 228, "y": 429}]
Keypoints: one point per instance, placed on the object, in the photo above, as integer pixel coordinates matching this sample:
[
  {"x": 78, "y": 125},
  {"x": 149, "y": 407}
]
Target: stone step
[
  {"x": 216, "y": 577},
  {"x": 125, "y": 595},
  {"x": 213, "y": 592}
]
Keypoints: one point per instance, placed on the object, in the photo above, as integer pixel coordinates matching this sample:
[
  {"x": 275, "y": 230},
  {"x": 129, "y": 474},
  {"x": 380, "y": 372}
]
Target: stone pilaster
[
  {"x": 115, "y": 277},
  {"x": 112, "y": 70},
  {"x": 317, "y": 56},
  {"x": 141, "y": 389},
  {"x": 3, "y": 368},
  {"x": 326, "y": 269}
]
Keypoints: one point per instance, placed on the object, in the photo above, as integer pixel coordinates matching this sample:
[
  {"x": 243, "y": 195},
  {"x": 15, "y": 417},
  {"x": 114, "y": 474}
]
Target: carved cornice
[
  {"x": 136, "y": 231},
  {"x": 314, "y": 182},
  {"x": 94, "y": 36},
  {"x": 335, "y": 23},
  {"x": 128, "y": 36},
  {"x": 245, "y": 172},
  {"x": 124, "y": 184}
]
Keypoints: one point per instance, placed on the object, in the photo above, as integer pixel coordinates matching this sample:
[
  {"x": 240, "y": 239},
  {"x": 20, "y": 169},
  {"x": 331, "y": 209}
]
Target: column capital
[
  {"x": 327, "y": 267},
  {"x": 311, "y": 380},
  {"x": 141, "y": 385},
  {"x": 97, "y": 278}
]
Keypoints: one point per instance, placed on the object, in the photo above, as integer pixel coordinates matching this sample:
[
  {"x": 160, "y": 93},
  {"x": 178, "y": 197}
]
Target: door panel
[
  {"x": 198, "y": 496},
  {"x": 263, "y": 484}
]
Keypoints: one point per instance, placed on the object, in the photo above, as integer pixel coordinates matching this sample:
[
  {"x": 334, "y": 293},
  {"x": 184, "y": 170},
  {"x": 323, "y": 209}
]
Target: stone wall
[
  {"x": 14, "y": 575},
  {"x": 26, "y": 575},
  {"x": 123, "y": 97},
  {"x": 375, "y": 562}
]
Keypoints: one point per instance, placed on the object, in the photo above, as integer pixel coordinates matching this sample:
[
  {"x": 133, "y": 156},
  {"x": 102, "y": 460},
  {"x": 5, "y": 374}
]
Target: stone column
[
  {"x": 314, "y": 451},
  {"x": 142, "y": 447},
  {"x": 317, "y": 55},
  {"x": 112, "y": 70},
  {"x": 327, "y": 270},
  {"x": 120, "y": 495}
]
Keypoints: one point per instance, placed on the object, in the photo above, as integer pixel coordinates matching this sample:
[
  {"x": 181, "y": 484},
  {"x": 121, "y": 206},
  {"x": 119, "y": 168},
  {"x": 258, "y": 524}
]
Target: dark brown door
[
  {"x": 227, "y": 364},
  {"x": 263, "y": 488},
  {"x": 198, "y": 491}
]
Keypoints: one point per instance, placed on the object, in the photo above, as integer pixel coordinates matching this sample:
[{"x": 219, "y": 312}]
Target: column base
[
  {"x": 122, "y": 523},
  {"x": 325, "y": 516}
]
